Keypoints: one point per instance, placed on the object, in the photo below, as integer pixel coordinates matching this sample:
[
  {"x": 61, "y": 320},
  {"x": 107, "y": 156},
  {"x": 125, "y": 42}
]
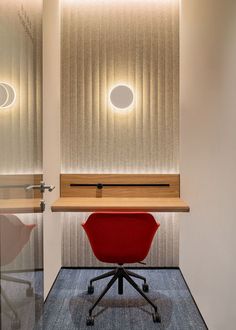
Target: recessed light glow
[
  {"x": 102, "y": 2},
  {"x": 7, "y": 95},
  {"x": 121, "y": 97}
]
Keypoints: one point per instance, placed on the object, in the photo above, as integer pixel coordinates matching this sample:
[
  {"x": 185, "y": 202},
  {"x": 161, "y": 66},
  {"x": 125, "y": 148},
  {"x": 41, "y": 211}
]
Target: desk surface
[
  {"x": 91, "y": 204},
  {"x": 29, "y": 205}
]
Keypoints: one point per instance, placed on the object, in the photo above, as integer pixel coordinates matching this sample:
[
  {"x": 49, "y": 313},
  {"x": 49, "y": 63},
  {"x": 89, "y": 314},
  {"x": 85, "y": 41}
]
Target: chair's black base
[
  {"x": 29, "y": 290},
  {"x": 119, "y": 274},
  {"x": 145, "y": 287},
  {"x": 15, "y": 323},
  {"x": 90, "y": 320}
]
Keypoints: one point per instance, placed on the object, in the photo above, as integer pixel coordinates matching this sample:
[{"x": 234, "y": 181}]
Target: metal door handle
[{"x": 42, "y": 187}]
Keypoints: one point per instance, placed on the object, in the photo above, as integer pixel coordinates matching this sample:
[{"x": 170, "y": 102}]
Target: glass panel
[{"x": 21, "y": 219}]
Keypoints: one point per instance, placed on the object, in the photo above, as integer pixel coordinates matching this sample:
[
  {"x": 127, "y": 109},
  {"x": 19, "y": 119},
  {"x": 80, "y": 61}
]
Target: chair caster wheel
[
  {"x": 145, "y": 287},
  {"x": 29, "y": 292},
  {"x": 90, "y": 321},
  {"x": 156, "y": 317},
  {"x": 15, "y": 324},
  {"x": 90, "y": 289}
]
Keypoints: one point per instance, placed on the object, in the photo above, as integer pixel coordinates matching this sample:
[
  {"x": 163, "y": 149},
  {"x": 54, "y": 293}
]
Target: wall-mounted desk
[
  {"x": 15, "y": 198},
  {"x": 13, "y": 206},
  {"x": 92, "y": 204},
  {"x": 120, "y": 192}
]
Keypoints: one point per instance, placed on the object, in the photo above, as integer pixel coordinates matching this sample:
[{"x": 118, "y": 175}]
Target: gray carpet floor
[
  {"x": 68, "y": 303},
  {"x": 29, "y": 309}
]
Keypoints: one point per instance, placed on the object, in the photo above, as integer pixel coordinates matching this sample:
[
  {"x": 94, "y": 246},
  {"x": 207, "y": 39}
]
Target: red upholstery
[{"x": 120, "y": 237}]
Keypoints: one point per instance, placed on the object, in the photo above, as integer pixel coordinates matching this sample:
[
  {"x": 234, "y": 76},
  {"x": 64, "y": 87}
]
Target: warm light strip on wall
[
  {"x": 27, "y": 172},
  {"x": 95, "y": 171},
  {"x": 104, "y": 3}
]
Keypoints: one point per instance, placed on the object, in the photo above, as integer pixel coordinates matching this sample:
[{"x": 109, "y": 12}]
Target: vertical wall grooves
[
  {"x": 20, "y": 63},
  {"x": 21, "y": 124},
  {"x": 103, "y": 44}
]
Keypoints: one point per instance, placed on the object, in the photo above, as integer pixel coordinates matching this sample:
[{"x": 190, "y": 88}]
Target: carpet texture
[{"x": 68, "y": 303}]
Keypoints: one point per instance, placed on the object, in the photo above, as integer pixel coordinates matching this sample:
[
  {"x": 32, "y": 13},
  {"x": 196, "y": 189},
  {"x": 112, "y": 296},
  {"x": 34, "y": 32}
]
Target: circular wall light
[
  {"x": 121, "y": 97},
  {"x": 7, "y": 95}
]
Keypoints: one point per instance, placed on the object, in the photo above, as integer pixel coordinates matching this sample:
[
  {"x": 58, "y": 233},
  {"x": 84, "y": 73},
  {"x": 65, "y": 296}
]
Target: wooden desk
[
  {"x": 91, "y": 204},
  {"x": 12, "y": 206}
]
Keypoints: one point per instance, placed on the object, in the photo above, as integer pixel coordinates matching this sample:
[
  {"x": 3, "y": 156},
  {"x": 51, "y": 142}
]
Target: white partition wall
[
  {"x": 208, "y": 156},
  {"x": 51, "y": 138}
]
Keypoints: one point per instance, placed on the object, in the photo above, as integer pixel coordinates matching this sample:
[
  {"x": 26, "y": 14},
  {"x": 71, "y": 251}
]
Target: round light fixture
[
  {"x": 7, "y": 95},
  {"x": 121, "y": 97}
]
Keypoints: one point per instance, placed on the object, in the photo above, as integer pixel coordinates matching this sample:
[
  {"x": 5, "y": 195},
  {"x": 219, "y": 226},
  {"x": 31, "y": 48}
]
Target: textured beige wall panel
[
  {"x": 103, "y": 44},
  {"x": 21, "y": 66}
]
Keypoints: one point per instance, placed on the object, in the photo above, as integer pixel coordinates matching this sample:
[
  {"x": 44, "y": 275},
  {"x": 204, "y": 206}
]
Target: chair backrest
[
  {"x": 14, "y": 235},
  {"x": 120, "y": 237}
]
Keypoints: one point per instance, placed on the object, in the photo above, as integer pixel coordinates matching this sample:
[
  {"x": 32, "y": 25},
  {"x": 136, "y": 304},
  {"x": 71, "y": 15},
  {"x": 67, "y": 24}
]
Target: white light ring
[
  {"x": 11, "y": 95},
  {"x": 4, "y": 98},
  {"x": 122, "y": 110}
]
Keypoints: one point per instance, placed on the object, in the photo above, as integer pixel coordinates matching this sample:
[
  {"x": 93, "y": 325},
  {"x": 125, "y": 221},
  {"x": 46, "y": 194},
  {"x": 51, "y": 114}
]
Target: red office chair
[{"x": 120, "y": 237}]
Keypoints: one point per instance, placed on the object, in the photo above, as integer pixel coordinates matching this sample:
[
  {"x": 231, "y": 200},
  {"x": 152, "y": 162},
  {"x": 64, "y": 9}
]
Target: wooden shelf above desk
[
  {"x": 91, "y": 204},
  {"x": 14, "y": 206}
]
